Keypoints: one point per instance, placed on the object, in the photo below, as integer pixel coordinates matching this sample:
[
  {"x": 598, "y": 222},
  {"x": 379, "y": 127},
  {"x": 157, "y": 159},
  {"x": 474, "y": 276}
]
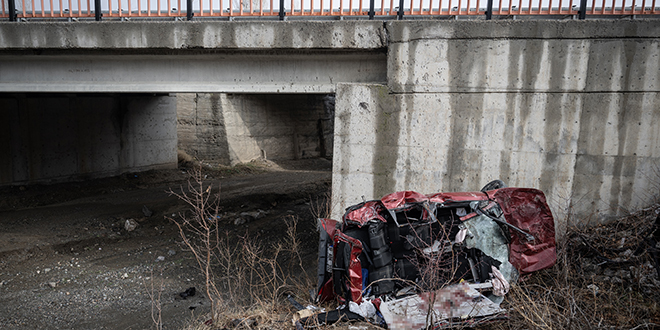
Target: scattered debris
[
  {"x": 130, "y": 225},
  {"x": 190, "y": 292},
  {"x": 413, "y": 261},
  {"x": 52, "y": 284},
  {"x": 171, "y": 252},
  {"x": 195, "y": 305},
  {"x": 160, "y": 258},
  {"x": 146, "y": 211}
]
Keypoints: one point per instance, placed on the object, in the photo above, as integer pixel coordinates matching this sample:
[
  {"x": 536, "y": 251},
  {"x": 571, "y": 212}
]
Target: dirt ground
[{"x": 68, "y": 262}]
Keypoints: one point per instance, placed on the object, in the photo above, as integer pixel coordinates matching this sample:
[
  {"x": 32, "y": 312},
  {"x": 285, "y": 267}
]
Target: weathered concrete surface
[
  {"x": 66, "y": 137},
  {"x": 568, "y": 107},
  {"x": 598, "y": 151},
  {"x": 342, "y": 35},
  {"x": 190, "y": 57},
  {"x": 524, "y": 56},
  {"x": 236, "y": 128},
  {"x": 235, "y": 72}
]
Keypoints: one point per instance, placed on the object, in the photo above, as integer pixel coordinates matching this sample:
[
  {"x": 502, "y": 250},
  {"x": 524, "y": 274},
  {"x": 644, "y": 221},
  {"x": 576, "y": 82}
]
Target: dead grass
[
  {"x": 246, "y": 279},
  {"x": 597, "y": 283}
]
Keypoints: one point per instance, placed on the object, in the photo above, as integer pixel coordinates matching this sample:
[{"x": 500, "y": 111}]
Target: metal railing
[{"x": 14, "y": 10}]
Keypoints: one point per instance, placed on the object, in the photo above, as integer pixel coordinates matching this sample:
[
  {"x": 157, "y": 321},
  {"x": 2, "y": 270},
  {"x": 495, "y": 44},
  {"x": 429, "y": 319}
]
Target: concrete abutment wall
[
  {"x": 237, "y": 128},
  {"x": 571, "y": 108},
  {"x": 62, "y": 137}
]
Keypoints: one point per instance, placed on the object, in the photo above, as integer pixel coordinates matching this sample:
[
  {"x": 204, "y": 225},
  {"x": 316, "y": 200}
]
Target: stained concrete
[
  {"x": 566, "y": 106},
  {"x": 56, "y": 137},
  {"x": 238, "y": 128}
]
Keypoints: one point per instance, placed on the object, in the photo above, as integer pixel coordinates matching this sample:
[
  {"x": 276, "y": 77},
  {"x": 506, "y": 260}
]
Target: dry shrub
[
  {"x": 245, "y": 279},
  {"x": 599, "y": 282}
]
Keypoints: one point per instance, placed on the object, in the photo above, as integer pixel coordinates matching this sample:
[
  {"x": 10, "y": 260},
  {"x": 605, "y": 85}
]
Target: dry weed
[
  {"x": 245, "y": 279},
  {"x": 598, "y": 282}
]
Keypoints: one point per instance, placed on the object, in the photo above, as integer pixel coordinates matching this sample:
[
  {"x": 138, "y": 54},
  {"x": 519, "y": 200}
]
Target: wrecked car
[{"x": 409, "y": 260}]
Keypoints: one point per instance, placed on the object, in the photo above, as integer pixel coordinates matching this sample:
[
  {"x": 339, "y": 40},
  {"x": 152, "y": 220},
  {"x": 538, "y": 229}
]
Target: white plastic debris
[
  {"x": 500, "y": 284},
  {"x": 366, "y": 309}
]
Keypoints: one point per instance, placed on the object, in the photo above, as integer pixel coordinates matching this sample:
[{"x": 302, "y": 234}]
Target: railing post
[
  {"x": 400, "y": 13},
  {"x": 12, "y": 10},
  {"x": 189, "y": 10},
  {"x": 282, "y": 13},
  {"x": 372, "y": 11},
  {"x": 583, "y": 9},
  {"x": 97, "y": 10},
  {"x": 489, "y": 9}
]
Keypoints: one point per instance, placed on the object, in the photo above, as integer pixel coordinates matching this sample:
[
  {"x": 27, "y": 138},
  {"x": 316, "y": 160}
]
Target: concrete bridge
[{"x": 570, "y": 107}]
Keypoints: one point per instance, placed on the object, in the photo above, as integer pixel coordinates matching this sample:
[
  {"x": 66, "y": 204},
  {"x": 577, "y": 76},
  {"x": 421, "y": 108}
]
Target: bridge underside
[{"x": 238, "y": 72}]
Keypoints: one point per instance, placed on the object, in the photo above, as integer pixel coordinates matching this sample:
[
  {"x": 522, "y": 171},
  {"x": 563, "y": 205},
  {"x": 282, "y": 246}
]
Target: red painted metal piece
[{"x": 527, "y": 209}]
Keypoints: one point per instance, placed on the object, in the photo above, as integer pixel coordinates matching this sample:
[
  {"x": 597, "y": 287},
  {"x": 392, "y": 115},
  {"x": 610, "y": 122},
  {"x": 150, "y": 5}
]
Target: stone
[{"x": 130, "y": 225}]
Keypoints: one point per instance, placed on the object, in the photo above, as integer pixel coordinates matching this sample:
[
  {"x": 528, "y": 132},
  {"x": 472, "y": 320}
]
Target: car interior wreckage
[{"x": 414, "y": 261}]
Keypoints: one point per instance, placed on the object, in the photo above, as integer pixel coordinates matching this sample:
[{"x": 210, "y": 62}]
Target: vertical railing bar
[
  {"x": 623, "y": 6},
  {"x": 391, "y": 7},
  {"x": 97, "y": 9},
  {"x": 519, "y": 6},
  {"x": 469, "y": 5},
  {"x": 119, "y": 8},
  {"x": 79, "y": 8},
  {"x": 157, "y": 4},
  {"x": 282, "y": 13},
  {"x": 583, "y": 9},
  {"x": 593, "y": 7},
  {"x": 489, "y": 9},
  {"x": 653, "y": 9},
  {"x": 400, "y": 13},
  {"x": 43, "y": 9},
  {"x": 350, "y": 7},
  {"x": 643, "y": 6},
  {"x": 149, "y": 7},
  {"x": 189, "y": 10},
  {"x": 12, "y": 10},
  {"x": 271, "y": 7},
  {"x": 293, "y": 11},
  {"x": 440, "y": 8}
]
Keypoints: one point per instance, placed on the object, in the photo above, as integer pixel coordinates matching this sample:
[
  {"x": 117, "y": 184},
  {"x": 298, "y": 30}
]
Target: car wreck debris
[{"x": 410, "y": 261}]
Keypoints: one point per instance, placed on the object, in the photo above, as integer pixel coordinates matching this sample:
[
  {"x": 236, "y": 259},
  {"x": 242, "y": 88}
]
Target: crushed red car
[{"x": 460, "y": 249}]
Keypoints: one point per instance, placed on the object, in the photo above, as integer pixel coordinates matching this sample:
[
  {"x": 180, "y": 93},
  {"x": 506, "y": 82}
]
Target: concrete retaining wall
[
  {"x": 234, "y": 128},
  {"x": 49, "y": 138},
  {"x": 570, "y": 108}
]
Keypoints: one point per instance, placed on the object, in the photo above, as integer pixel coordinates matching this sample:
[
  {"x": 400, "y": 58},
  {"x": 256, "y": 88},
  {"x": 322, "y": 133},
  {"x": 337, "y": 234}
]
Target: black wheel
[{"x": 495, "y": 184}]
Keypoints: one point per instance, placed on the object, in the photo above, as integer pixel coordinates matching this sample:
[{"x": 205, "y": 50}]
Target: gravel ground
[{"x": 67, "y": 262}]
